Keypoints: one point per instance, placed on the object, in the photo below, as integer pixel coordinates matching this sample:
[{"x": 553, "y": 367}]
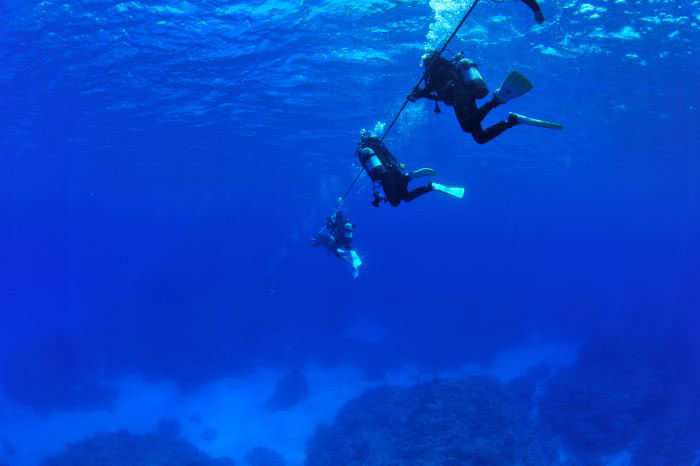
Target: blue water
[{"x": 162, "y": 166}]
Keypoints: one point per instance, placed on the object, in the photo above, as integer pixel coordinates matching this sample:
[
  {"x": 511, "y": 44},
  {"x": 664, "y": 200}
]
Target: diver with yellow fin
[
  {"x": 384, "y": 169},
  {"x": 458, "y": 83}
]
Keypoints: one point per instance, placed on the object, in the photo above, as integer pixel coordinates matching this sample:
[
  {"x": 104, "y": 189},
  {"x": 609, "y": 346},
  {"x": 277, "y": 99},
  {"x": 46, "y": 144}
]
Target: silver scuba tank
[
  {"x": 347, "y": 231},
  {"x": 371, "y": 161},
  {"x": 472, "y": 78}
]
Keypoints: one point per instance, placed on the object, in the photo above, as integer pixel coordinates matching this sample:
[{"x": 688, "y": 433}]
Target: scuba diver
[
  {"x": 340, "y": 230},
  {"x": 459, "y": 84},
  {"x": 336, "y": 237},
  {"x": 383, "y": 168}
]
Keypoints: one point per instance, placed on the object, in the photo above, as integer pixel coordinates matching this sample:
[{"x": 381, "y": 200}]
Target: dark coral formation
[
  {"x": 209, "y": 434},
  {"x": 122, "y": 448},
  {"x": 468, "y": 421},
  {"x": 629, "y": 392},
  {"x": 290, "y": 390},
  {"x": 262, "y": 456},
  {"x": 60, "y": 361},
  {"x": 7, "y": 450}
]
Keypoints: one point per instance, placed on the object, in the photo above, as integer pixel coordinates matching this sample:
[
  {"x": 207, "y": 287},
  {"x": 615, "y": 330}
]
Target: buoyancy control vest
[
  {"x": 377, "y": 160},
  {"x": 445, "y": 74}
]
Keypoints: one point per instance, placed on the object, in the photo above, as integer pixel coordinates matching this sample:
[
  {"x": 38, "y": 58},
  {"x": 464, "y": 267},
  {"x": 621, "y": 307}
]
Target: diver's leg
[
  {"x": 482, "y": 136},
  {"x": 465, "y": 108},
  {"x": 485, "y": 109},
  {"x": 535, "y": 7},
  {"x": 411, "y": 195},
  {"x": 470, "y": 117},
  {"x": 391, "y": 188}
]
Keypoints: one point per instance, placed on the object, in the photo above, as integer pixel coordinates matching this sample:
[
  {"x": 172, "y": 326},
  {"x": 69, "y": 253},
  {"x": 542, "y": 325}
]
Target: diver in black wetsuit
[
  {"x": 340, "y": 230},
  {"x": 457, "y": 83},
  {"x": 336, "y": 237},
  {"x": 382, "y": 167}
]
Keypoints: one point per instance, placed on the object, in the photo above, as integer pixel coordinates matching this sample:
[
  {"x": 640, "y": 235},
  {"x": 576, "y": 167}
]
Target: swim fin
[
  {"x": 452, "y": 191},
  {"x": 523, "y": 120},
  {"x": 513, "y": 86},
  {"x": 352, "y": 258},
  {"x": 421, "y": 172},
  {"x": 356, "y": 263}
]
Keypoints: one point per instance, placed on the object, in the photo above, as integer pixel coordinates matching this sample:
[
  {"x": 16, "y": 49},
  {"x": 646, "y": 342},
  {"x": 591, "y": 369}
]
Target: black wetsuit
[
  {"x": 395, "y": 186},
  {"x": 445, "y": 84},
  {"x": 337, "y": 229},
  {"x": 535, "y": 7},
  {"x": 394, "y": 182}
]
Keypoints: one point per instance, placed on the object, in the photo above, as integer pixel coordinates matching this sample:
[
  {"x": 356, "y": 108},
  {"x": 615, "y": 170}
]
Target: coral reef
[
  {"x": 57, "y": 360},
  {"x": 290, "y": 390},
  {"x": 467, "y": 421},
  {"x": 634, "y": 393},
  {"x": 7, "y": 450},
  {"x": 209, "y": 434},
  {"x": 263, "y": 457},
  {"x": 162, "y": 448}
]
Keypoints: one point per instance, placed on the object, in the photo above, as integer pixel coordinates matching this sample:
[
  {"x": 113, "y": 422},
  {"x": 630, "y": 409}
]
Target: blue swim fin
[
  {"x": 352, "y": 258},
  {"x": 523, "y": 120},
  {"x": 456, "y": 191},
  {"x": 513, "y": 86}
]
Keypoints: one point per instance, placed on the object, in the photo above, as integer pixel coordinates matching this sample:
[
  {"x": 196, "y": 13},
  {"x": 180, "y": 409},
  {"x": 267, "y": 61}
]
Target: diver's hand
[{"x": 415, "y": 94}]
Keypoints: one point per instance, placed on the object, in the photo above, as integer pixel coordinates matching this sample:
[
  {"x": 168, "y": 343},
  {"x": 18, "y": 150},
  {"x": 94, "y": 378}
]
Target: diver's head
[
  {"x": 428, "y": 57},
  {"x": 339, "y": 216}
]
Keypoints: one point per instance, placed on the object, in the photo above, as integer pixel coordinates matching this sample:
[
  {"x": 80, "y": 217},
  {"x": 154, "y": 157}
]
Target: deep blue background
[{"x": 154, "y": 178}]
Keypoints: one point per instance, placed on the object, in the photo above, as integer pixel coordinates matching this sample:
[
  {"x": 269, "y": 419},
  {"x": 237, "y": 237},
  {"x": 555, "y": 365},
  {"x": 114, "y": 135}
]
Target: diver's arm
[{"x": 419, "y": 93}]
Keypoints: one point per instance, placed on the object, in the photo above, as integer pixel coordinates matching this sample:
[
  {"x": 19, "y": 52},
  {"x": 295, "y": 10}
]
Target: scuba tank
[
  {"x": 471, "y": 76},
  {"x": 369, "y": 159}
]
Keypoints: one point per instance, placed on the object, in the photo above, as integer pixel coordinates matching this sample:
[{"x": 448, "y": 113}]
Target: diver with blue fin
[
  {"x": 458, "y": 83},
  {"x": 384, "y": 169},
  {"x": 336, "y": 237}
]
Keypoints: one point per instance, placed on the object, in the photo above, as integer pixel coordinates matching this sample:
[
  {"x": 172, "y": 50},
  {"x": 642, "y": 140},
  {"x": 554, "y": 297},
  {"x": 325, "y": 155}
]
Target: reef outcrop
[
  {"x": 466, "y": 421},
  {"x": 161, "y": 448}
]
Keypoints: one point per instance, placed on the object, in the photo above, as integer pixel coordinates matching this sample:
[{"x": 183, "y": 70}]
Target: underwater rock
[
  {"x": 6, "y": 449},
  {"x": 209, "y": 434},
  {"x": 60, "y": 361},
  {"x": 122, "y": 448},
  {"x": 169, "y": 427},
  {"x": 290, "y": 390},
  {"x": 262, "y": 456},
  {"x": 628, "y": 393},
  {"x": 466, "y": 421},
  {"x": 526, "y": 386}
]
